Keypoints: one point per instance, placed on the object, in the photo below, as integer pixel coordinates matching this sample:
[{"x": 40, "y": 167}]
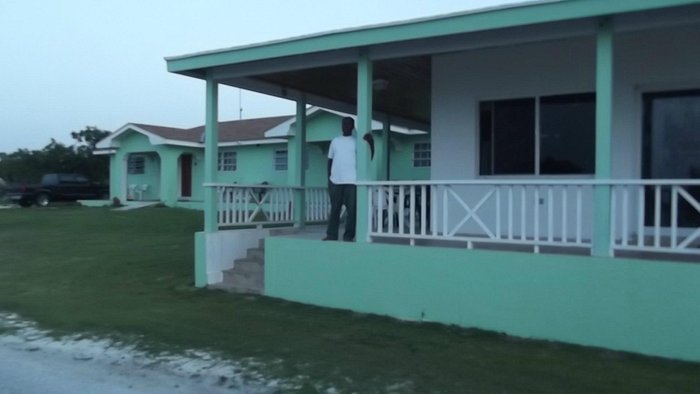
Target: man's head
[{"x": 348, "y": 126}]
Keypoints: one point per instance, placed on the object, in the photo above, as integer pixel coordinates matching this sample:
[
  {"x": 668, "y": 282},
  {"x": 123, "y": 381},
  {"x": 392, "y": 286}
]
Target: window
[
  {"x": 227, "y": 161},
  {"x": 507, "y": 131},
  {"x": 136, "y": 164},
  {"x": 421, "y": 154},
  {"x": 671, "y": 150},
  {"x": 538, "y": 136},
  {"x": 281, "y": 160}
]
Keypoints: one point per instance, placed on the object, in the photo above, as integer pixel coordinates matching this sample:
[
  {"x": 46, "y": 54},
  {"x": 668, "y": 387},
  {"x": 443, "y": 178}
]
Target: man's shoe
[{"x": 327, "y": 238}]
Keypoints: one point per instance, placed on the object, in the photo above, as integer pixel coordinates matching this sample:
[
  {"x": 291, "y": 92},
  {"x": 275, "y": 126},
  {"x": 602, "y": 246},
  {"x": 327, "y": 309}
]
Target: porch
[
  {"x": 429, "y": 264},
  {"x": 142, "y": 176},
  {"x": 651, "y": 220},
  {"x": 567, "y": 127}
]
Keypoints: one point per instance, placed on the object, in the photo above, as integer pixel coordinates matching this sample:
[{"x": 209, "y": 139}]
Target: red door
[{"x": 186, "y": 176}]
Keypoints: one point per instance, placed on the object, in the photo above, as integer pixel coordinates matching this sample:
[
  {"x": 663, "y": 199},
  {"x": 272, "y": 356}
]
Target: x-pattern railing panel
[
  {"x": 254, "y": 204},
  {"x": 527, "y": 213},
  {"x": 656, "y": 217}
]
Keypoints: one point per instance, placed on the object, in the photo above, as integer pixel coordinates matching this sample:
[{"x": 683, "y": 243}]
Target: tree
[
  {"x": 28, "y": 166},
  {"x": 95, "y": 167},
  {"x": 87, "y": 138}
]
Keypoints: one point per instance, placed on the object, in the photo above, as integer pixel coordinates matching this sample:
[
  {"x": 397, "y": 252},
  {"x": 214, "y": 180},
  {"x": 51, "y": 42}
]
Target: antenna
[{"x": 240, "y": 104}]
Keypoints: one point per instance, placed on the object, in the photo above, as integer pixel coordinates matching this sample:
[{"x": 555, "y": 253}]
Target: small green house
[{"x": 165, "y": 164}]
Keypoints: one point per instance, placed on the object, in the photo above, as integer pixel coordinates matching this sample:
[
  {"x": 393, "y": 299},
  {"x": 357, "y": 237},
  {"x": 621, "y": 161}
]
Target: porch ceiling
[{"x": 405, "y": 94}]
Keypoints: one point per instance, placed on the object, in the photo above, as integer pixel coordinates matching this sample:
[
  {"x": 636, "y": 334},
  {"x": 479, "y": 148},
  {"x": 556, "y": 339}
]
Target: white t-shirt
[{"x": 343, "y": 153}]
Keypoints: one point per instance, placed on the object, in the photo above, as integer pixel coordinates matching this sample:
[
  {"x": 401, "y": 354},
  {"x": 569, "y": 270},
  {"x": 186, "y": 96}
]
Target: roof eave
[{"x": 195, "y": 65}]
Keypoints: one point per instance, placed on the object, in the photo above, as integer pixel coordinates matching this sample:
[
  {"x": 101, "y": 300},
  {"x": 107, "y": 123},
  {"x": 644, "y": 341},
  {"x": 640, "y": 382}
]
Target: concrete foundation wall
[{"x": 632, "y": 305}]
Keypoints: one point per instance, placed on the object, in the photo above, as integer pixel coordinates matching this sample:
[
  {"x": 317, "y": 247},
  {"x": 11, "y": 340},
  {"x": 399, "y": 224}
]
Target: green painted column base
[
  {"x": 601, "y": 224},
  {"x": 200, "y": 259}
]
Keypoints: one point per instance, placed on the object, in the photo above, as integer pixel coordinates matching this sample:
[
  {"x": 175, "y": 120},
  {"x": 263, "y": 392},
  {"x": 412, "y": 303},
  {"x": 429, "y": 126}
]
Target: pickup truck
[{"x": 57, "y": 187}]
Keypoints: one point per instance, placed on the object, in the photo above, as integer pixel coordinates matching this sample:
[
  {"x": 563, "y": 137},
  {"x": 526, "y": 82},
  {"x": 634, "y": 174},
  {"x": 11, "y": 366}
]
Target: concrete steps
[{"x": 248, "y": 274}]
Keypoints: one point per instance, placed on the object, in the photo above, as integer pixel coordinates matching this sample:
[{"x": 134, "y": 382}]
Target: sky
[{"x": 68, "y": 64}]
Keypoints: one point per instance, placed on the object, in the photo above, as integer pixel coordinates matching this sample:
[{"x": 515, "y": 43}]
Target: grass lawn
[{"x": 129, "y": 274}]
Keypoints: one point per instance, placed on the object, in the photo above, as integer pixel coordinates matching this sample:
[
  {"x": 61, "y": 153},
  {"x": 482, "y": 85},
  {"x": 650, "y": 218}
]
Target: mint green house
[
  {"x": 563, "y": 195},
  {"x": 165, "y": 164}
]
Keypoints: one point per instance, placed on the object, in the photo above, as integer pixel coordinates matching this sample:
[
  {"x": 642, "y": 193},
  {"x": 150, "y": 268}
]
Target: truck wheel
[
  {"x": 25, "y": 203},
  {"x": 42, "y": 200}
]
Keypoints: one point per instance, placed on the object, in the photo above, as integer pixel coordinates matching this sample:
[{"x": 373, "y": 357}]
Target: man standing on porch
[{"x": 342, "y": 176}]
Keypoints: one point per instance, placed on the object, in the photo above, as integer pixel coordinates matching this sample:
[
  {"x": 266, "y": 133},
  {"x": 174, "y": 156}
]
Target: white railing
[
  {"x": 646, "y": 215},
  {"x": 537, "y": 213},
  {"x": 656, "y": 216},
  {"x": 245, "y": 205},
  {"x": 254, "y": 204},
  {"x": 318, "y": 204},
  {"x": 513, "y": 212}
]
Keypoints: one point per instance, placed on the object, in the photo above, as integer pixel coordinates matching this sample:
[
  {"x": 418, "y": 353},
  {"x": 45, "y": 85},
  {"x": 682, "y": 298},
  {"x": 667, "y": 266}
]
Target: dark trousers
[{"x": 342, "y": 194}]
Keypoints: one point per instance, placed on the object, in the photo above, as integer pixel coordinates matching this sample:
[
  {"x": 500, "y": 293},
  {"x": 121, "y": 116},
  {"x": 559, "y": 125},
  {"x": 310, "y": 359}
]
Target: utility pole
[{"x": 240, "y": 104}]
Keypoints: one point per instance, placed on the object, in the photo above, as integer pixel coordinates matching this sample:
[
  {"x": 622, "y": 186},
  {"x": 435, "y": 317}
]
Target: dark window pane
[
  {"x": 672, "y": 151},
  {"x": 486, "y": 139},
  {"x": 567, "y": 134},
  {"x": 514, "y": 137}
]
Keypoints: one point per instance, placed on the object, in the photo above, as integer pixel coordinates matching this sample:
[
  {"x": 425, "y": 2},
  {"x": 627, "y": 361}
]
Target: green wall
[
  {"x": 169, "y": 176},
  {"x": 255, "y": 164},
  {"x": 633, "y": 305},
  {"x": 401, "y": 158},
  {"x": 322, "y": 126},
  {"x": 317, "y": 168},
  {"x": 115, "y": 173}
]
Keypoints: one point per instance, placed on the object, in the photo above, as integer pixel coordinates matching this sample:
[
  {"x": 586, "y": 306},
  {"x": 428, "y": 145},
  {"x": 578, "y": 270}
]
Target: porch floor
[{"x": 317, "y": 232}]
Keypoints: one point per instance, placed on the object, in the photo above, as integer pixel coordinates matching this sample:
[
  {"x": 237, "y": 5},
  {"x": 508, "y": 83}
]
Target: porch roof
[{"x": 322, "y": 67}]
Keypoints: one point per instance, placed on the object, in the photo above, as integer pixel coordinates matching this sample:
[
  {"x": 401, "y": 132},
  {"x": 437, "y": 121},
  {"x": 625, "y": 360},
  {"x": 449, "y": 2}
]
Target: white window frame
[
  {"x": 277, "y": 162},
  {"x": 132, "y": 168},
  {"x": 422, "y": 154},
  {"x": 227, "y": 160}
]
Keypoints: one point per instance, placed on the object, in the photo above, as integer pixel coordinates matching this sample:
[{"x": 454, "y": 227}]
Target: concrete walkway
[{"x": 136, "y": 205}]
